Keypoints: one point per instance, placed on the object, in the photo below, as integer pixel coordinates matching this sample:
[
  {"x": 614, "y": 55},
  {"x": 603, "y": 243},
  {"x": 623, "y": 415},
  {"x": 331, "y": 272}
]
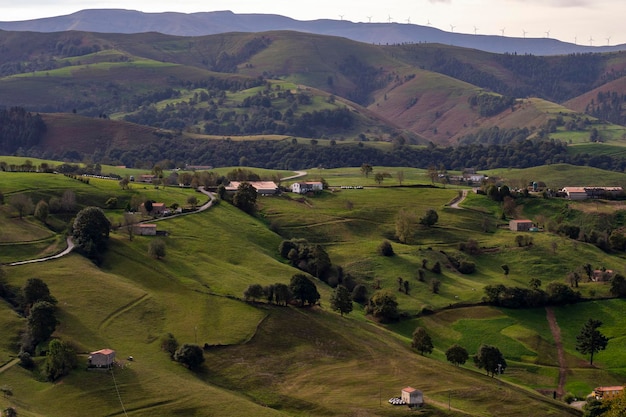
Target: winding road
[{"x": 205, "y": 206}]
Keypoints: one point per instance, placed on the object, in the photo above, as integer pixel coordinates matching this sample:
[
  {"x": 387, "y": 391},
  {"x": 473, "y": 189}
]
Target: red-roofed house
[
  {"x": 103, "y": 358},
  {"x": 607, "y": 393},
  {"x": 412, "y": 397}
]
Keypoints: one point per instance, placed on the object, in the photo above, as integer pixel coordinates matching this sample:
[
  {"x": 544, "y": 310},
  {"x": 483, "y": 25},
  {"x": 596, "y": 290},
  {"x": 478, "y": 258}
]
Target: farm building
[
  {"x": 413, "y": 397},
  {"x": 103, "y": 358},
  {"x": 583, "y": 193},
  {"x": 607, "y": 393},
  {"x": 261, "y": 187},
  {"x": 305, "y": 187},
  {"x": 145, "y": 229},
  {"x": 520, "y": 225}
]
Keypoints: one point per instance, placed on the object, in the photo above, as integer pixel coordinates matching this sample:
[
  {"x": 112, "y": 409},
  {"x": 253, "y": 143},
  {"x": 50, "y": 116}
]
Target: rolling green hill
[{"x": 268, "y": 360}]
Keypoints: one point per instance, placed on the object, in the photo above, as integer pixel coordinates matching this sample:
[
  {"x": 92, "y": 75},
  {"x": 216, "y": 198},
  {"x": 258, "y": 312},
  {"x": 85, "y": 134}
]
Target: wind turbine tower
[
  {"x": 502, "y": 31},
  {"x": 452, "y": 28},
  {"x": 524, "y": 32},
  {"x": 475, "y": 30}
]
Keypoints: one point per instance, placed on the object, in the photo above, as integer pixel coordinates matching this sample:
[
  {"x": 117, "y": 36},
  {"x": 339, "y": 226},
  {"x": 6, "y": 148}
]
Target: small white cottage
[
  {"x": 103, "y": 358},
  {"x": 412, "y": 397}
]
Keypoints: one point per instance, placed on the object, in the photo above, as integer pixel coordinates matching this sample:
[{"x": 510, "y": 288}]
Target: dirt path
[
  {"x": 459, "y": 199},
  {"x": 556, "y": 334},
  {"x": 9, "y": 365},
  {"x": 70, "y": 247}
]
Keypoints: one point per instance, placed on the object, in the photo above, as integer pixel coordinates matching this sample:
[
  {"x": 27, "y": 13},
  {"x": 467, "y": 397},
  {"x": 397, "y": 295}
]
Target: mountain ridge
[{"x": 208, "y": 23}]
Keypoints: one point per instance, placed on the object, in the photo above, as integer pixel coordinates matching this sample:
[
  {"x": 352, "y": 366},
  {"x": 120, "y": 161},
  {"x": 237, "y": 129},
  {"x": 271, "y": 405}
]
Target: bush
[
  {"x": 189, "y": 355},
  {"x": 169, "y": 344},
  {"x": 467, "y": 267},
  {"x": 569, "y": 398},
  {"x": 385, "y": 248},
  {"x": 359, "y": 293}
]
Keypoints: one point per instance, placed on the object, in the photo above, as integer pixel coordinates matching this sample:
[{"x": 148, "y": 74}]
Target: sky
[{"x": 585, "y": 22}]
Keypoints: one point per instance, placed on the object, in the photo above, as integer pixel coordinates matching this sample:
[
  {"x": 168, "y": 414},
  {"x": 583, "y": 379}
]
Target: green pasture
[{"x": 312, "y": 361}]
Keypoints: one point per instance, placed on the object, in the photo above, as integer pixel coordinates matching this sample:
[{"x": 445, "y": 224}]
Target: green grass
[{"x": 312, "y": 361}]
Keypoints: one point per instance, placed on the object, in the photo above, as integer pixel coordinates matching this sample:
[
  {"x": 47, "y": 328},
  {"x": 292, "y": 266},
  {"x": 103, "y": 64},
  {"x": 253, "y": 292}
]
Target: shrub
[
  {"x": 385, "y": 248},
  {"x": 359, "y": 293}
]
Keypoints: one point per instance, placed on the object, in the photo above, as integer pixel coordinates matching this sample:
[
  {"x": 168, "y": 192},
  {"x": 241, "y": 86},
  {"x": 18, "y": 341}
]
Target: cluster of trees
[
  {"x": 407, "y": 223},
  {"x": 189, "y": 355},
  {"x": 310, "y": 258},
  {"x": 608, "y": 106},
  {"x": 300, "y": 289},
  {"x": 556, "y": 293},
  {"x": 291, "y": 155},
  {"x": 19, "y": 129},
  {"x": 488, "y": 357},
  {"x": 490, "y": 104}
]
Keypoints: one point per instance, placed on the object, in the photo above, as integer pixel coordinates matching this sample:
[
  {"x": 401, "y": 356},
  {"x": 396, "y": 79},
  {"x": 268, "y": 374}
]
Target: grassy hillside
[{"x": 289, "y": 361}]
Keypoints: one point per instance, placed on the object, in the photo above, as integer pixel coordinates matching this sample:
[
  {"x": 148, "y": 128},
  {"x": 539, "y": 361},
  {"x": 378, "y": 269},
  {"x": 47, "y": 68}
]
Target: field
[{"x": 267, "y": 360}]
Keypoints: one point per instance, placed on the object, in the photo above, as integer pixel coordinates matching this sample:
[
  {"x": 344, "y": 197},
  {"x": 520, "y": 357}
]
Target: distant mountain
[{"x": 208, "y": 23}]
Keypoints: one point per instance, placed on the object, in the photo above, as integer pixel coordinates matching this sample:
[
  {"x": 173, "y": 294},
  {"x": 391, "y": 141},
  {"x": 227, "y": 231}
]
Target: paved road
[
  {"x": 293, "y": 177},
  {"x": 70, "y": 247}
]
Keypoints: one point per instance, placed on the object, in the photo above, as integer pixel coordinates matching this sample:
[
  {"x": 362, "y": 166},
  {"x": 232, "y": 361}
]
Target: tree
[
  {"x": 148, "y": 205},
  {"x": 366, "y": 169},
  {"x": 123, "y": 183},
  {"x": 254, "y": 292},
  {"x": 42, "y": 210},
  {"x": 22, "y": 203},
  {"x": 384, "y": 306},
  {"x": 10, "y": 412},
  {"x": 42, "y": 321},
  {"x": 435, "y": 284},
  {"x": 596, "y": 408},
  {"x": 422, "y": 341},
  {"x": 618, "y": 286},
  {"x": 60, "y": 360},
  {"x": 534, "y": 283},
  {"x": 282, "y": 294},
  {"x": 506, "y": 270},
  {"x": 379, "y": 178},
  {"x": 91, "y": 231},
  {"x": 35, "y": 290},
  {"x": 169, "y": 344},
  {"x": 432, "y": 173},
  {"x": 359, "y": 293},
  {"x": 457, "y": 355},
  {"x": 436, "y": 268},
  {"x": 430, "y": 218},
  {"x": 156, "y": 248},
  {"x": 490, "y": 359},
  {"x": 303, "y": 289},
  {"x": 590, "y": 340},
  {"x": 406, "y": 222},
  {"x": 68, "y": 201},
  {"x": 385, "y": 248},
  {"x": 192, "y": 200},
  {"x": 341, "y": 300},
  {"x": 400, "y": 177},
  {"x": 245, "y": 197},
  {"x": 189, "y": 355},
  {"x": 129, "y": 223}
]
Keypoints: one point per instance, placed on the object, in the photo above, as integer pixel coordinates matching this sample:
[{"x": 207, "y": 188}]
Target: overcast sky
[{"x": 568, "y": 20}]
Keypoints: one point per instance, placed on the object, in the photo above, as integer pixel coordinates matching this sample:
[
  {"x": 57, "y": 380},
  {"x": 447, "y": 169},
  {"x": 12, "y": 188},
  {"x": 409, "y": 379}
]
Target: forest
[{"x": 19, "y": 128}]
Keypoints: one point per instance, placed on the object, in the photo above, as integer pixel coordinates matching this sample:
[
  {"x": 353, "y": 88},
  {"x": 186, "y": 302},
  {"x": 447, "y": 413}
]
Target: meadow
[{"x": 269, "y": 360}]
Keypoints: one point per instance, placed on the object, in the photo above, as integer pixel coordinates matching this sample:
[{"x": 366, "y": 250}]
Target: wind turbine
[
  {"x": 408, "y": 21},
  {"x": 502, "y": 31},
  {"x": 475, "y": 30},
  {"x": 548, "y": 33},
  {"x": 525, "y": 32},
  {"x": 369, "y": 18},
  {"x": 341, "y": 16},
  {"x": 590, "y": 41},
  {"x": 389, "y": 19},
  {"x": 452, "y": 28},
  {"x": 608, "y": 41},
  {"x": 428, "y": 22},
  {"x": 575, "y": 40}
]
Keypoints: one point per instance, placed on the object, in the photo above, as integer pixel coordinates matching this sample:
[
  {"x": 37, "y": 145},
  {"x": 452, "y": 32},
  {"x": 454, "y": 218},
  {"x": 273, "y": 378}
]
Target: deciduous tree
[
  {"x": 384, "y": 306},
  {"x": 430, "y": 218},
  {"x": 490, "y": 359},
  {"x": 406, "y": 224},
  {"x": 42, "y": 210},
  {"x": 189, "y": 355},
  {"x": 303, "y": 289},
  {"x": 245, "y": 197},
  {"x": 42, "y": 321},
  {"x": 366, "y": 169},
  {"x": 254, "y": 292},
  {"x": 60, "y": 360},
  {"x": 590, "y": 340},
  {"x": 156, "y": 248},
  {"x": 91, "y": 231},
  {"x": 422, "y": 341},
  {"x": 457, "y": 355},
  {"x": 22, "y": 203},
  {"x": 341, "y": 300}
]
